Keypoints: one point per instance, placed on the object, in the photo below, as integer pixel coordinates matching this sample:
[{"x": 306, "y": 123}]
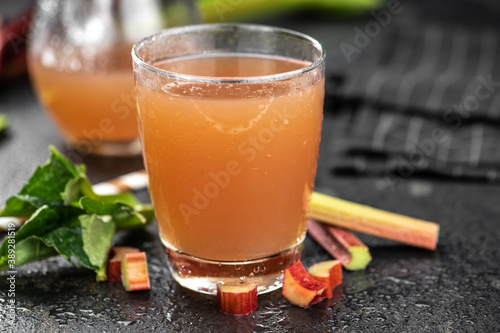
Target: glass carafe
[{"x": 80, "y": 64}]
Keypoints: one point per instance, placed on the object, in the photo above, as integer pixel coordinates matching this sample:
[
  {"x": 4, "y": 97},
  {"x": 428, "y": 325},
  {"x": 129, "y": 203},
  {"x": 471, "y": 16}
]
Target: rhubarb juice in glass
[{"x": 230, "y": 120}]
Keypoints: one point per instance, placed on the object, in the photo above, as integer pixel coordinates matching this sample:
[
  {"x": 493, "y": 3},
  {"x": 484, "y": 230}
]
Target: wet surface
[{"x": 455, "y": 289}]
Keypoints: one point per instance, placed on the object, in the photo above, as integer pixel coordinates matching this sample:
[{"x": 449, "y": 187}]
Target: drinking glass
[
  {"x": 230, "y": 119},
  {"x": 80, "y": 64}
]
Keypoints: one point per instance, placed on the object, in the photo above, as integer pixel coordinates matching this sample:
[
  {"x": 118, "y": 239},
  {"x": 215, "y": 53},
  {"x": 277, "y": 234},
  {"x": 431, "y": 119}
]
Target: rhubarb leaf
[
  {"x": 29, "y": 250},
  {"x": 68, "y": 242},
  {"x": 124, "y": 216},
  {"x": 124, "y": 198},
  {"x": 42, "y": 221},
  {"x": 72, "y": 191},
  {"x": 63, "y": 237},
  {"x": 66, "y": 217},
  {"x": 91, "y": 206},
  {"x": 97, "y": 240},
  {"x": 17, "y": 207},
  {"x": 45, "y": 187}
]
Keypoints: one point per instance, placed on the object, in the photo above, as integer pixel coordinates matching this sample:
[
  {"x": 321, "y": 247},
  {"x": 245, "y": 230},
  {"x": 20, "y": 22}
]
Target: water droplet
[
  {"x": 422, "y": 304},
  {"x": 396, "y": 280}
]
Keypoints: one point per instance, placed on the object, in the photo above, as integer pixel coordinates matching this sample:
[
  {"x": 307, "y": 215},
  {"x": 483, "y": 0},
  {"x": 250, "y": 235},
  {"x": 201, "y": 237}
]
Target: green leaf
[
  {"x": 147, "y": 211},
  {"x": 4, "y": 122},
  {"x": 72, "y": 191},
  {"x": 17, "y": 207},
  {"x": 49, "y": 180},
  {"x": 125, "y": 217},
  {"x": 58, "y": 236},
  {"x": 45, "y": 187},
  {"x": 129, "y": 220},
  {"x": 66, "y": 217},
  {"x": 124, "y": 198},
  {"x": 97, "y": 240},
  {"x": 29, "y": 250},
  {"x": 142, "y": 216},
  {"x": 68, "y": 242},
  {"x": 42, "y": 221},
  {"x": 91, "y": 206}
]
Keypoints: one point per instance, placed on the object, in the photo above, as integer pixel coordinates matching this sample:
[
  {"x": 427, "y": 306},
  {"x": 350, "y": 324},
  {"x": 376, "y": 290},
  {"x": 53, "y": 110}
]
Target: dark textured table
[{"x": 454, "y": 289}]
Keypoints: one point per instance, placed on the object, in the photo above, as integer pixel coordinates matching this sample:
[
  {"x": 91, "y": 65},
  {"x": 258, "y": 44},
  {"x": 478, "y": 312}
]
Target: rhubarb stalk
[
  {"x": 236, "y": 299},
  {"x": 116, "y": 254},
  {"x": 329, "y": 272},
  {"x": 340, "y": 244},
  {"x": 374, "y": 221},
  {"x": 135, "y": 274},
  {"x": 300, "y": 288}
]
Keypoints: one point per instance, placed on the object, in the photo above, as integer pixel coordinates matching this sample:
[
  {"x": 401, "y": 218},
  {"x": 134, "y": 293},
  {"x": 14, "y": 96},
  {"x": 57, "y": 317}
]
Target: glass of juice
[
  {"x": 80, "y": 65},
  {"x": 230, "y": 120}
]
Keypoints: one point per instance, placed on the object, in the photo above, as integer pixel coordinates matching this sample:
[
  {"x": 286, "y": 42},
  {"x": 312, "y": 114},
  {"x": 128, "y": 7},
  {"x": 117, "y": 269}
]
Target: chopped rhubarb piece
[
  {"x": 329, "y": 272},
  {"x": 116, "y": 254},
  {"x": 372, "y": 221},
  {"x": 135, "y": 271},
  {"x": 236, "y": 299},
  {"x": 300, "y": 288},
  {"x": 341, "y": 244}
]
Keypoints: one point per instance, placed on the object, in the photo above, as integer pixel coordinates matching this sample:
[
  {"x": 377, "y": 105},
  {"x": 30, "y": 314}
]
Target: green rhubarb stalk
[
  {"x": 240, "y": 10},
  {"x": 341, "y": 244},
  {"x": 4, "y": 122},
  {"x": 373, "y": 221}
]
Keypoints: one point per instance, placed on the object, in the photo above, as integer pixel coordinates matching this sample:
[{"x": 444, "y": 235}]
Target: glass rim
[{"x": 227, "y": 26}]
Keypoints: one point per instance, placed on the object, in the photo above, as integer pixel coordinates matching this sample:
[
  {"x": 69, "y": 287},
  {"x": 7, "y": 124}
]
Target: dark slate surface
[{"x": 454, "y": 289}]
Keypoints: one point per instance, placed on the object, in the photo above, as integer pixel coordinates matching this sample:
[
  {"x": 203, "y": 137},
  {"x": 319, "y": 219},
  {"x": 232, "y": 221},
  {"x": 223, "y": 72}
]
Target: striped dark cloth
[{"x": 420, "y": 101}]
